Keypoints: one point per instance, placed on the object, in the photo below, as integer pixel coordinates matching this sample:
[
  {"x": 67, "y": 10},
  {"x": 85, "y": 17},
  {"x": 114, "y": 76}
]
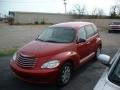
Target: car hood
[
  {"x": 114, "y": 25},
  {"x": 41, "y": 49},
  {"x": 101, "y": 83},
  {"x": 105, "y": 84}
]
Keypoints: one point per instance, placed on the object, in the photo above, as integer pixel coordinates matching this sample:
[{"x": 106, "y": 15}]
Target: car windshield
[
  {"x": 57, "y": 35},
  {"x": 115, "y": 75},
  {"x": 115, "y": 23}
]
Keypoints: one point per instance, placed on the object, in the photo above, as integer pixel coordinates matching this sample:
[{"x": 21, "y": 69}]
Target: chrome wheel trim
[{"x": 66, "y": 74}]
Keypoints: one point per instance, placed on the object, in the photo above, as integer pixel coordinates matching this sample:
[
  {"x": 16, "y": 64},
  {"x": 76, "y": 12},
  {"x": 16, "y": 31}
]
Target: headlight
[
  {"x": 14, "y": 56},
  {"x": 51, "y": 64}
]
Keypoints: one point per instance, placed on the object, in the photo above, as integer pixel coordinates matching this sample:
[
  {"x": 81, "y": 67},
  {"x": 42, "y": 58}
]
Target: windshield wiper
[
  {"x": 41, "y": 40},
  {"x": 52, "y": 41},
  {"x": 49, "y": 41}
]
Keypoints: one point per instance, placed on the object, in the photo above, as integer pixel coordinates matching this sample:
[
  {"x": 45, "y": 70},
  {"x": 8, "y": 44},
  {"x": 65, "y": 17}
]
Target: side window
[
  {"x": 94, "y": 28},
  {"x": 89, "y": 31},
  {"x": 82, "y": 33}
]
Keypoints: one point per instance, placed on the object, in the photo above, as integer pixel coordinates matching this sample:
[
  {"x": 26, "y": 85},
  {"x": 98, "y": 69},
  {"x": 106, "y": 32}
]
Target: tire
[
  {"x": 97, "y": 53},
  {"x": 109, "y": 31},
  {"x": 64, "y": 76}
]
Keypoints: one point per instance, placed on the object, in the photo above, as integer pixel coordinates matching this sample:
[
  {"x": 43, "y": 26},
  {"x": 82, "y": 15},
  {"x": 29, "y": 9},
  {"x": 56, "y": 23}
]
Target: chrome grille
[{"x": 26, "y": 62}]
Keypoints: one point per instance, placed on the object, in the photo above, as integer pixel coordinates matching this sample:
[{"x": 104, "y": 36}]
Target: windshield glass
[
  {"x": 57, "y": 35},
  {"x": 115, "y": 75},
  {"x": 115, "y": 23}
]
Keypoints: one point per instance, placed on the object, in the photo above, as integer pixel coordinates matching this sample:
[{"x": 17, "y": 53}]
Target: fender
[{"x": 70, "y": 56}]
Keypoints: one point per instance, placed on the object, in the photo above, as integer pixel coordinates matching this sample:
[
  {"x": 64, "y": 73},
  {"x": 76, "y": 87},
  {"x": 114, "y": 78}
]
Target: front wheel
[
  {"x": 65, "y": 74},
  {"x": 109, "y": 31}
]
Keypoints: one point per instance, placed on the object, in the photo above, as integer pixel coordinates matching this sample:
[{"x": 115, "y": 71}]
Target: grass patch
[
  {"x": 103, "y": 28},
  {"x": 7, "y": 52}
]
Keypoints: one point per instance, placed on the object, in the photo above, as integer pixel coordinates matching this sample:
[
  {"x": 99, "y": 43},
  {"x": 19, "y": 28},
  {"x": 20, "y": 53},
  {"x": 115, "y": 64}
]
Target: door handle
[{"x": 88, "y": 42}]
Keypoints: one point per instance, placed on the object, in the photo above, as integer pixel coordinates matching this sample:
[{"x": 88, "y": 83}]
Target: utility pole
[{"x": 65, "y": 3}]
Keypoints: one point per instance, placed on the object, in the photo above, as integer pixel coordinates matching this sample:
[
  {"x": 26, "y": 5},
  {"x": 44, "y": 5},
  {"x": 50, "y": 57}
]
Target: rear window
[{"x": 94, "y": 28}]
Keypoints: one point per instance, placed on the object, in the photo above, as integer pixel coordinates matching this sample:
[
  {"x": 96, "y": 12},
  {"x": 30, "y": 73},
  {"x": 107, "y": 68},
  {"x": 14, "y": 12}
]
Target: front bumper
[
  {"x": 115, "y": 29},
  {"x": 34, "y": 75}
]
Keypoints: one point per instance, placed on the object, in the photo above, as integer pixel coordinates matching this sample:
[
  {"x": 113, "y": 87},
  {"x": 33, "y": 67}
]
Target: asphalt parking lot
[{"x": 84, "y": 78}]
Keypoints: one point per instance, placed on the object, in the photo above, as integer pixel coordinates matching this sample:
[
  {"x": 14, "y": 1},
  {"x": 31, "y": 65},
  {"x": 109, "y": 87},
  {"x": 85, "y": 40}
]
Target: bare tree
[
  {"x": 72, "y": 12},
  {"x": 98, "y": 12},
  {"x": 118, "y": 10},
  {"x": 94, "y": 12},
  {"x": 79, "y": 10},
  {"x": 101, "y": 12},
  {"x": 115, "y": 9},
  {"x": 118, "y": 7}
]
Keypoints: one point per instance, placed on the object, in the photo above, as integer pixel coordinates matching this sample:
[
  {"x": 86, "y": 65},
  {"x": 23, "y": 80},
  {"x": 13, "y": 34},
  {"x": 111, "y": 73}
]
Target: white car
[
  {"x": 110, "y": 79},
  {"x": 114, "y": 26}
]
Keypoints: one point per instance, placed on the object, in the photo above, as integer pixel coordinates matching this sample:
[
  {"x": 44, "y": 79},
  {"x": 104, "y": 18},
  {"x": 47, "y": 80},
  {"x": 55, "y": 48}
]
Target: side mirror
[
  {"x": 35, "y": 38},
  {"x": 104, "y": 59},
  {"x": 81, "y": 40}
]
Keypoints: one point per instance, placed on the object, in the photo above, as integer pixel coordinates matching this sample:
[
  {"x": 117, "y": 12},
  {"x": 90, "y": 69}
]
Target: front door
[{"x": 83, "y": 47}]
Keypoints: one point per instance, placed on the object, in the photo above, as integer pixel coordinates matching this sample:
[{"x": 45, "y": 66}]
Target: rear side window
[
  {"x": 82, "y": 33},
  {"x": 89, "y": 30},
  {"x": 94, "y": 28}
]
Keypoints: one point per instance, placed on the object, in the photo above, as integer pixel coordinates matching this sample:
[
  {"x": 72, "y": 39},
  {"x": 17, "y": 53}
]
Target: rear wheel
[
  {"x": 65, "y": 74},
  {"x": 98, "y": 52}
]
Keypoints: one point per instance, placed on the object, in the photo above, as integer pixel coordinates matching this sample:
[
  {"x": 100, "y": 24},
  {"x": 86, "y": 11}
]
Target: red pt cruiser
[{"x": 57, "y": 51}]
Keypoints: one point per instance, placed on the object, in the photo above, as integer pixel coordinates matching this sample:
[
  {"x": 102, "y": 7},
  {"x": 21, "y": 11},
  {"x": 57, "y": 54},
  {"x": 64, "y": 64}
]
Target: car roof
[{"x": 74, "y": 25}]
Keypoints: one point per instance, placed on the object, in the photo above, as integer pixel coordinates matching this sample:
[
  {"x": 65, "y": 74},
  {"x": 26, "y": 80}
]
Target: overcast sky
[{"x": 52, "y": 6}]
